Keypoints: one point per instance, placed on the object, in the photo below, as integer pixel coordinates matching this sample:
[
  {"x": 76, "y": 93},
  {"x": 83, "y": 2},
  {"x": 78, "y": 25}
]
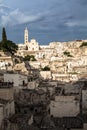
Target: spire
[
  {"x": 26, "y": 29},
  {"x": 26, "y": 36}
]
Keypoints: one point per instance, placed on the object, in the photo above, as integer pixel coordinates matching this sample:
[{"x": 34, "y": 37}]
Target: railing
[{"x": 6, "y": 84}]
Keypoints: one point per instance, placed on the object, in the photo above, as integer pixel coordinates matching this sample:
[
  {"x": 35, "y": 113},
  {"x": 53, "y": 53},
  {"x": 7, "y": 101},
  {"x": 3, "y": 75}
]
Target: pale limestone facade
[
  {"x": 6, "y": 93},
  {"x": 7, "y": 109},
  {"x": 65, "y": 77},
  {"x": 45, "y": 74},
  {"x": 54, "y": 53},
  {"x": 84, "y": 101},
  {"x": 21, "y": 67},
  {"x": 31, "y": 45},
  {"x": 6, "y": 63},
  {"x": 64, "y": 106},
  {"x": 17, "y": 79},
  {"x": 35, "y": 64}
]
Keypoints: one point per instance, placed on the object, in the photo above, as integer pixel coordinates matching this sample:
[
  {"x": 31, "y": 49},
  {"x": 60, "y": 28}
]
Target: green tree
[
  {"x": 7, "y": 45},
  {"x": 83, "y": 44},
  {"x": 46, "y": 68},
  {"x": 4, "y": 37},
  {"x": 67, "y": 54},
  {"x": 29, "y": 58}
]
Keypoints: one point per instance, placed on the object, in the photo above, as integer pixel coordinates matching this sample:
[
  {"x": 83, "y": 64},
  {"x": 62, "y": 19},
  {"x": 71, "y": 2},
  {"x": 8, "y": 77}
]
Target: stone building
[
  {"x": 6, "y": 103},
  {"x": 19, "y": 80},
  {"x": 45, "y": 75},
  {"x": 64, "y": 106},
  {"x": 84, "y": 100},
  {"x": 32, "y": 45},
  {"x": 6, "y": 90}
]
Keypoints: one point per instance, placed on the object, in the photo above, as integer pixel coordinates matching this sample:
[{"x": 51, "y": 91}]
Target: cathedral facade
[{"x": 31, "y": 45}]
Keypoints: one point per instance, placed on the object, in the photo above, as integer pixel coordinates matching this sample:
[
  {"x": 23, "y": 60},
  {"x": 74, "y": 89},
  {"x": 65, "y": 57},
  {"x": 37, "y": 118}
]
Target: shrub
[
  {"x": 46, "y": 68},
  {"x": 83, "y": 44}
]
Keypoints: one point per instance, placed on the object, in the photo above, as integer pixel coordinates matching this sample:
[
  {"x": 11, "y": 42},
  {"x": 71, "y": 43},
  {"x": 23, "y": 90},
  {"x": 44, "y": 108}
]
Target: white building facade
[{"x": 31, "y": 45}]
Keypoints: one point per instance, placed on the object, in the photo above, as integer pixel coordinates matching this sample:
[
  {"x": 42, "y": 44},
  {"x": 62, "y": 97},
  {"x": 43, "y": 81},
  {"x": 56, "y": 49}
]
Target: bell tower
[{"x": 26, "y": 36}]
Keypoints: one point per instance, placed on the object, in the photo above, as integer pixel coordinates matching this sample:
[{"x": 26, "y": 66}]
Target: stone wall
[{"x": 64, "y": 106}]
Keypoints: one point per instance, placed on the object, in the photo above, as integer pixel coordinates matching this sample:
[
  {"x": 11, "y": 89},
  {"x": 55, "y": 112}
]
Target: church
[{"x": 31, "y": 45}]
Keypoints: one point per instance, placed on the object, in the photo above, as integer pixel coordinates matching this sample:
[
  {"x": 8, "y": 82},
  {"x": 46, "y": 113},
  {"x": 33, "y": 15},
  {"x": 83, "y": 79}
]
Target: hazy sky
[{"x": 47, "y": 20}]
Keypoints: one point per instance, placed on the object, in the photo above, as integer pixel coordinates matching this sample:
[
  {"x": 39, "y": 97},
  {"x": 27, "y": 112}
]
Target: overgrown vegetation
[
  {"x": 83, "y": 44},
  {"x": 46, "y": 68},
  {"x": 67, "y": 54},
  {"x": 7, "y": 45},
  {"x": 29, "y": 58}
]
